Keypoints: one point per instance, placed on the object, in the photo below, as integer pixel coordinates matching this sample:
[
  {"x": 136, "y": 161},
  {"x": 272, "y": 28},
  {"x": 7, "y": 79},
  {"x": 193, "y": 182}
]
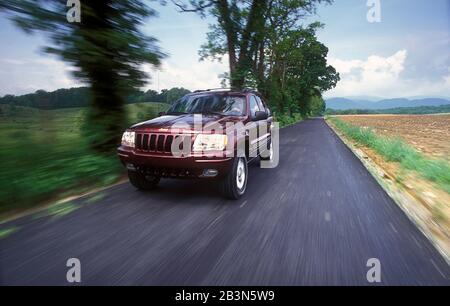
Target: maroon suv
[{"x": 205, "y": 134}]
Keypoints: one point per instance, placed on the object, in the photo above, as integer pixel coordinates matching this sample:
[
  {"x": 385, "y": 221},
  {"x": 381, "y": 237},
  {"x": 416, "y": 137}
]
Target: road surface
[{"x": 315, "y": 220}]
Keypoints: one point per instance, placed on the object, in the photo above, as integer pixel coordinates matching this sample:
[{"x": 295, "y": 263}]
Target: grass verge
[
  {"x": 286, "y": 120},
  {"x": 45, "y": 157},
  {"x": 6, "y": 232},
  {"x": 396, "y": 150}
]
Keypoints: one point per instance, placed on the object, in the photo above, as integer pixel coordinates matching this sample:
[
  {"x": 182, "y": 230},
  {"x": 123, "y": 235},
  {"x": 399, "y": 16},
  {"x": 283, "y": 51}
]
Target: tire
[
  {"x": 271, "y": 153},
  {"x": 142, "y": 182},
  {"x": 235, "y": 183}
]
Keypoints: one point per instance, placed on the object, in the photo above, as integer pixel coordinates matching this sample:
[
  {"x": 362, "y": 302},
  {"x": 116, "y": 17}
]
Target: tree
[
  {"x": 107, "y": 49},
  {"x": 239, "y": 24},
  {"x": 175, "y": 93},
  {"x": 242, "y": 28},
  {"x": 150, "y": 96},
  {"x": 297, "y": 70},
  {"x": 269, "y": 48}
]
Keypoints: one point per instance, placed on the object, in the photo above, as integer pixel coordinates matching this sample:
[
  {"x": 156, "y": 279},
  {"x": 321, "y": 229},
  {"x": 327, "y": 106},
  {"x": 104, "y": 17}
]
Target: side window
[
  {"x": 260, "y": 104},
  {"x": 254, "y": 107},
  {"x": 268, "y": 112}
]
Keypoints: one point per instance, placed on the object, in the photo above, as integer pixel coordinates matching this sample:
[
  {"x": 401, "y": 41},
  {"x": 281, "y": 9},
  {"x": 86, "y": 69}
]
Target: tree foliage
[
  {"x": 297, "y": 71},
  {"x": 175, "y": 93},
  {"x": 81, "y": 97},
  {"x": 106, "y": 48},
  {"x": 268, "y": 47}
]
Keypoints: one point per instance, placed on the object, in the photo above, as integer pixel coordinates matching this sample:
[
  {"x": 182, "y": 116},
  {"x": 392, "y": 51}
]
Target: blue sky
[{"x": 406, "y": 54}]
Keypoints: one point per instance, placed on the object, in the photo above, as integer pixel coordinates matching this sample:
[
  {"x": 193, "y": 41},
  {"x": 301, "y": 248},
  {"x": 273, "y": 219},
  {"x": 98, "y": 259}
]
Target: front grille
[{"x": 159, "y": 143}]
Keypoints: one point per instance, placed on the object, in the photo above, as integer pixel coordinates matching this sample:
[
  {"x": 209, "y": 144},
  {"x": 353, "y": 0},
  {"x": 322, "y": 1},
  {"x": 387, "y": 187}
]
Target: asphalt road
[{"x": 314, "y": 220}]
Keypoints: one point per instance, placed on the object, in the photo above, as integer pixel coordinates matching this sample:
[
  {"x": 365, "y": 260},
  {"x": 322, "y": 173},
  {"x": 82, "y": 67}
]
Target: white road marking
[
  {"x": 417, "y": 242},
  {"x": 214, "y": 222},
  {"x": 327, "y": 216},
  {"x": 437, "y": 268},
  {"x": 243, "y": 204},
  {"x": 393, "y": 227}
]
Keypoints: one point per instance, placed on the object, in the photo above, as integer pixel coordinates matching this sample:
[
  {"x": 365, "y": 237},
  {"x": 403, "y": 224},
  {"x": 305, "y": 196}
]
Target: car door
[
  {"x": 253, "y": 127},
  {"x": 258, "y": 132},
  {"x": 264, "y": 125}
]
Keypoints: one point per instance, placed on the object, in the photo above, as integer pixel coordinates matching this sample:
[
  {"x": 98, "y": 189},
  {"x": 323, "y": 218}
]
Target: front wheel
[
  {"x": 235, "y": 183},
  {"x": 142, "y": 182}
]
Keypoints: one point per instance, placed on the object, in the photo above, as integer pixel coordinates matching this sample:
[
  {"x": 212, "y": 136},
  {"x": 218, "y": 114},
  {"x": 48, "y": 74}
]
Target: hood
[{"x": 169, "y": 122}]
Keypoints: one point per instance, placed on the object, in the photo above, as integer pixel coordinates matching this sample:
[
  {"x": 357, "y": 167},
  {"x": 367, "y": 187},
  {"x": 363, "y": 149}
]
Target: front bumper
[{"x": 166, "y": 165}]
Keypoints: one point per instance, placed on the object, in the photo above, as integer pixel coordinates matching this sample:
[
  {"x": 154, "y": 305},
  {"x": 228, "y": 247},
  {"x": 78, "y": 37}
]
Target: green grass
[
  {"x": 6, "y": 232},
  {"x": 61, "y": 209},
  {"x": 396, "y": 150},
  {"x": 43, "y": 155},
  {"x": 286, "y": 120}
]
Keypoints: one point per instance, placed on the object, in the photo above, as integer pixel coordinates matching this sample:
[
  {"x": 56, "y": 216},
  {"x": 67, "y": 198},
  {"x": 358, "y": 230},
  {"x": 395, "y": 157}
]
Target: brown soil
[{"x": 429, "y": 134}]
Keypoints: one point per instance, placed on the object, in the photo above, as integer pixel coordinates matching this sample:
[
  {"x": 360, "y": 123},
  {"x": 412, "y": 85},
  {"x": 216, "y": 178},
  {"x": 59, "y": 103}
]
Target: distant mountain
[
  {"x": 346, "y": 104},
  {"x": 418, "y": 110},
  {"x": 366, "y": 98},
  {"x": 426, "y": 97}
]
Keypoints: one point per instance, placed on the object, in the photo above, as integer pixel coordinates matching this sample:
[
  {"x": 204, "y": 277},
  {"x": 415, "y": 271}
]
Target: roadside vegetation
[
  {"x": 396, "y": 150},
  {"x": 80, "y": 97},
  {"x": 44, "y": 155}
]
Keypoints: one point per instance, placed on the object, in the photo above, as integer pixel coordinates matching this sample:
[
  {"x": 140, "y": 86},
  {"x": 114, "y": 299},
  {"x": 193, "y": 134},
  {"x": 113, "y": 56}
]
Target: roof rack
[
  {"x": 249, "y": 90},
  {"x": 211, "y": 89},
  {"x": 218, "y": 89}
]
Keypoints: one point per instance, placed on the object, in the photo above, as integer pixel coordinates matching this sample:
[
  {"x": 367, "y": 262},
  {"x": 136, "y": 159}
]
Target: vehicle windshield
[{"x": 217, "y": 104}]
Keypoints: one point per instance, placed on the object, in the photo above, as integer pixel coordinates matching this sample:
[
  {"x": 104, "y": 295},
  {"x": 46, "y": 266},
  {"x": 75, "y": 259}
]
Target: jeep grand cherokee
[{"x": 222, "y": 153}]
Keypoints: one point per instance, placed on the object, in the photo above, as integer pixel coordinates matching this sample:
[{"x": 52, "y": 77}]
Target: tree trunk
[
  {"x": 261, "y": 60},
  {"x": 230, "y": 30},
  {"x": 250, "y": 40},
  {"x": 106, "y": 117}
]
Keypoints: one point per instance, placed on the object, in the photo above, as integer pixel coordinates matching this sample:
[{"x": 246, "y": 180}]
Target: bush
[{"x": 286, "y": 120}]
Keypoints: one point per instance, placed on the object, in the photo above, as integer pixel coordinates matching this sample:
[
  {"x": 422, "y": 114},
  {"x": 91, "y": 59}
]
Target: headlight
[
  {"x": 128, "y": 139},
  {"x": 210, "y": 142}
]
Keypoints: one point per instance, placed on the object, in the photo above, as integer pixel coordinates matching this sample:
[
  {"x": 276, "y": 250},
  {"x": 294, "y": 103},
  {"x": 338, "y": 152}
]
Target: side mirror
[
  {"x": 260, "y": 116},
  {"x": 161, "y": 114}
]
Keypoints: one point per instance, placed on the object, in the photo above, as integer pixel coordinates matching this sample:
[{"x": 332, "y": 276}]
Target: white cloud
[
  {"x": 373, "y": 76},
  {"x": 197, "y": 75},
  {"x": 28, "y": 75},
  {"x": 382, "y": 76}
]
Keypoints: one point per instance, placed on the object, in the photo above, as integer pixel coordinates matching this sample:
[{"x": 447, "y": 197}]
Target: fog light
[
  {"x": 131, "y": 167},
  {"x": 210, "y": 172}
]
